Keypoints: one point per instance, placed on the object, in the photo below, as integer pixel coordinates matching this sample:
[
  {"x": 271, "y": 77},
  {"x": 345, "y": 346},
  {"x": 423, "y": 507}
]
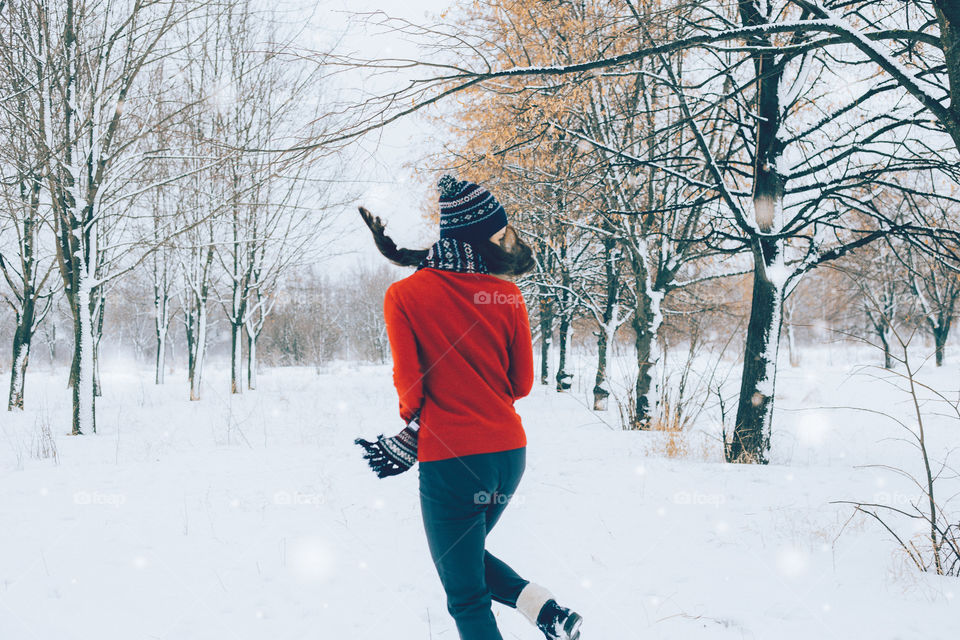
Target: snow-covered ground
[{"x": 256, "y": 517}]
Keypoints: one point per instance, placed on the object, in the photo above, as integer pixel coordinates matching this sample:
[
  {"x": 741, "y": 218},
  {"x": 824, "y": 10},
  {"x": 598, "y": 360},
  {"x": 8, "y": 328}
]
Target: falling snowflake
[
  {"x": 310, "y": 559},
  {"x": 813, "y": 429},
  {"x": 792, "y": 562}
]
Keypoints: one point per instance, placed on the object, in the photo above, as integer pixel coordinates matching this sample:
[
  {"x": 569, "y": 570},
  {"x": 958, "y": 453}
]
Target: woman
[{"x": 462, "y": 354}]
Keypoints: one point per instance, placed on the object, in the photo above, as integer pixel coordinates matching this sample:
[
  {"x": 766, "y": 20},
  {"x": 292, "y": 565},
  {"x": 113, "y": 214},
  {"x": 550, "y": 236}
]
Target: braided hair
[{"x": 511, "y": 257}]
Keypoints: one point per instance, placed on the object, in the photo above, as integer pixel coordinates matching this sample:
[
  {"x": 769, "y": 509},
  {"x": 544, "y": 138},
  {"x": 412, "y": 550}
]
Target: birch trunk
[
  {"x": 21, "y": 352},
  {"x": 161, "y": 307},
  {"x": 96, "y": 332},
  {"x": 601, "y": 393},
  {"x": 251, "y": 359},
  {"x": 646, "y": 325},
  {"x": 22, "y": 337},
  {"x": 883, "y": 334},
  {"x": 608, "y": 327},
  {"x": 199, "y": 350},
  {"x": 791, "y": 337},
  {"x": 84, "y": 400},
  {"x": 236, "y": 357},
  {"x": 161, "y": 354}
]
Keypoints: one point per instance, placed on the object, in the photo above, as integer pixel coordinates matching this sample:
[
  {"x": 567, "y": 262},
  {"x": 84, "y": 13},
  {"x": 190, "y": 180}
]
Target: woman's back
[{"x": 470, "y": 335}]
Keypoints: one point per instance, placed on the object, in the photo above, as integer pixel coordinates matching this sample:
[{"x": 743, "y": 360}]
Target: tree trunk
[
  {"x": 646, "y": 326},
  {"x": 189, "y": 319},
  {"x": 21, "y": 353},
  {"x": 791, "y": 337},
  {"x": 546, "y": 333},
  {"x": 940, "y": 342},
  {"x": 18, "y": 373},
  {"x": 161, "y": 318},
  {"x": 50, "y": 337},
  {"x": 600, "y": 391},
  {"x": 96, "y": 334},
  {"x": 948, "y": 17},
  {"x": 887, "y": 357},
  {"x": 22, "y": 337},
  {"x": 161, "y": 354},
  {"x": 752, "y": 430},
  {"x": 199, "y": 350},
  {"x": 236, "y": 357},
  {"x": 608, "y": 327},
  {"x": 563, "y": 378},
  {"x": 84, "y": 399},
  {"x": 251, "y": 360},
  {"x": 97, "y": 391},
  {"x": 751, "y": 437},
  {"x": 792, "y": 347}
]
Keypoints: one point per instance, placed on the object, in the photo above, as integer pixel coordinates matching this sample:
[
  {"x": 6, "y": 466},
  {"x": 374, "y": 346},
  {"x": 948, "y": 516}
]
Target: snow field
[{"x": 254, "y": 516}]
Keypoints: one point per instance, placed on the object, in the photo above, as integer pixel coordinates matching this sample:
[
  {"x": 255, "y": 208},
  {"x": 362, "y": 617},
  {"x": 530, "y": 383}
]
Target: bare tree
[
  {"x": 881, "y": 280},
  {"x": 932, "y": 278},
  {"x": 92, "y": 56},
  {"x": 267, "y": 226},
  {"x": 24, "y": 214}
]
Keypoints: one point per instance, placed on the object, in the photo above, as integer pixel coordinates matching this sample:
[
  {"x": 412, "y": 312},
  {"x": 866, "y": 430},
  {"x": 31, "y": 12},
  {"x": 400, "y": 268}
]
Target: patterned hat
[{"x": 468, "y": 211}]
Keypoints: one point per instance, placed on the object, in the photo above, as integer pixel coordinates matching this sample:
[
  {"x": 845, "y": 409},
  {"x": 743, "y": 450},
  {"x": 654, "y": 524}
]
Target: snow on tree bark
[
  {"x": 251, "y": 360},
  {"x": 84, "y": 400},
  {"x": 199, "y": 351},
  {"x": 752, "y": 430},
  {"x": 21, "y": 351}
]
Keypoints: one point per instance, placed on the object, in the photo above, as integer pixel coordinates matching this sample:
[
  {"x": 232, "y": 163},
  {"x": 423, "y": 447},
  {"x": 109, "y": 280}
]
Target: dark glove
[{"x": 391, "y": 456}]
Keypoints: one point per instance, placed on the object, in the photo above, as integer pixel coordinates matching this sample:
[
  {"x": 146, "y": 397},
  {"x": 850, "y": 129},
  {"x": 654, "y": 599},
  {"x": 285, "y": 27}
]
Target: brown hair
[{"x": 511, "y": 257}]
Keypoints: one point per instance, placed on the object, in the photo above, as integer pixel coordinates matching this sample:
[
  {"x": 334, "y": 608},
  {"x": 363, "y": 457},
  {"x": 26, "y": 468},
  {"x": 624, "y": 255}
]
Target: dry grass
[
  {"x": 673, "y": 437},
  {"x": 673, "y": 443},
  {"x": 44, "y": 444}
]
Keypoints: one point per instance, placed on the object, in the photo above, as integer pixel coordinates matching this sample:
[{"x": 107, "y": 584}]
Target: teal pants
[{"x": 461, "y": 500}]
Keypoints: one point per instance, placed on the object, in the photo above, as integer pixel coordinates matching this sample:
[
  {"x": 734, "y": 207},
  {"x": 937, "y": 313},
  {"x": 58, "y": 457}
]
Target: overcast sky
[{"x": 375, "y": 167}]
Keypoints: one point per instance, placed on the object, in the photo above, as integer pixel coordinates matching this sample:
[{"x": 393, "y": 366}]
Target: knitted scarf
[{"x": 452, "y": 254}]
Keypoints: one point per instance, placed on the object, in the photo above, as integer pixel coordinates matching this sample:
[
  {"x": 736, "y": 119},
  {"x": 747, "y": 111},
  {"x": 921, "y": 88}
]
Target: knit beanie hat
[{"x": 468, "y": 211}]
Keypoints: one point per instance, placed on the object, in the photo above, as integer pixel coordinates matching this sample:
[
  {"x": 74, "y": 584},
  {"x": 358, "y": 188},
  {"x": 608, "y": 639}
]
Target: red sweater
[{"x": 462, "y": 354}]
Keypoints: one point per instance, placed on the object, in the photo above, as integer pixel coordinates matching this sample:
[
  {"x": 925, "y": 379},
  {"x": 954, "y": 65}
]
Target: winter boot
[
  {"x": 539, "y": 607},
  {"x": 558, "y": 623}
]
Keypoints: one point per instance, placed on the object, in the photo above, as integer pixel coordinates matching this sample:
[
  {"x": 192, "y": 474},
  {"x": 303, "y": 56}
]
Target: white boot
[
  {"x": 537, "y": 604},
  {"x": 531, "y": 601}
]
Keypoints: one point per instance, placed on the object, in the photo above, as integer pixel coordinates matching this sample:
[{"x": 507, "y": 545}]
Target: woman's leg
[
  {"x": 504, "y": 583},
  {"x": 454, "y": 497}
]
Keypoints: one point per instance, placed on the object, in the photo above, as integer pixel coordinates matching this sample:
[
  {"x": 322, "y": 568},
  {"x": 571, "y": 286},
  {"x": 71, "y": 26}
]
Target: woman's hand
[
  {"x": 391, "y": 456},
  {"x": 373, "y": 222}
]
